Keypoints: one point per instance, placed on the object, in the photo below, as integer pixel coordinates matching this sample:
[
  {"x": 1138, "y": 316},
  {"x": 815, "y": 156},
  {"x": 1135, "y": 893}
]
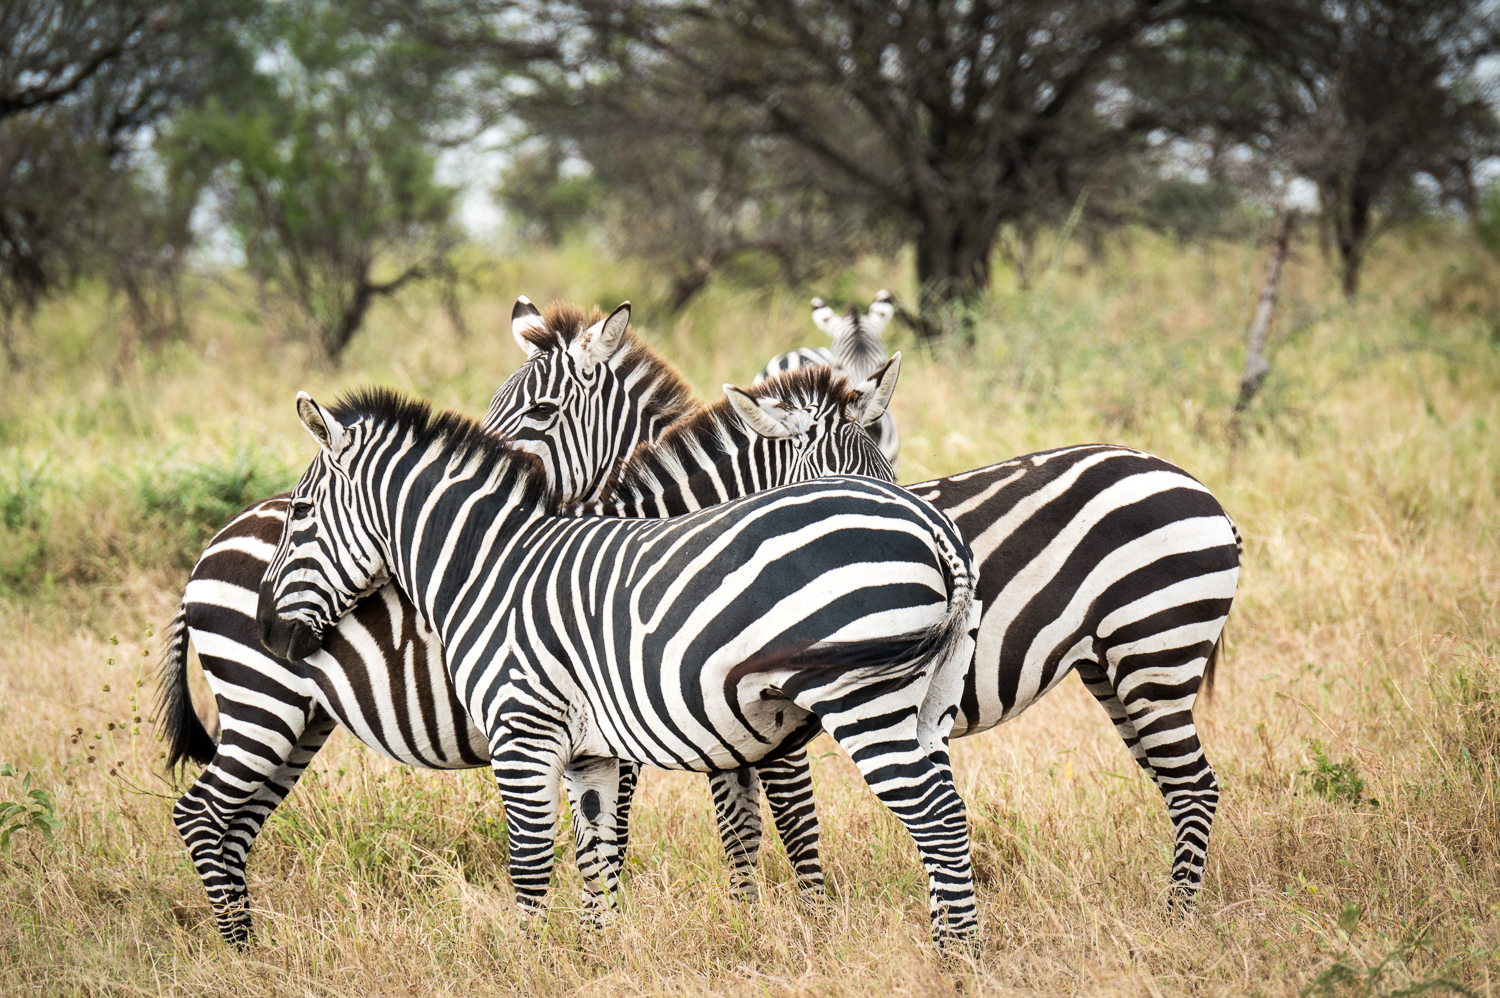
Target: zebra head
[
  {"x": 327, "y": 557},
  {"x": 824, "y": 423},
  {"x": 856, "y": 338},
  {"x": 589, "y": 392}
]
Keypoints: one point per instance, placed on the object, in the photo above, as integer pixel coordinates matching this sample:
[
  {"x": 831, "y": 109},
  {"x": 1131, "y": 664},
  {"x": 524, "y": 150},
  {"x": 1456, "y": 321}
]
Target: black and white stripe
[
  {"x": 381, "y": 672},
  {"x": 857, "y": 353},
  {"x": 704, "y": 642}
]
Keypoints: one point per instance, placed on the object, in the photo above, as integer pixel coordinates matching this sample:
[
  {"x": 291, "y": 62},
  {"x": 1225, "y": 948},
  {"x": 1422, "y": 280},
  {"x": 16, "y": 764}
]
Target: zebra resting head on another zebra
[
  {"x": 800, "y": 425},
  {"x": 704, "y": 642}
]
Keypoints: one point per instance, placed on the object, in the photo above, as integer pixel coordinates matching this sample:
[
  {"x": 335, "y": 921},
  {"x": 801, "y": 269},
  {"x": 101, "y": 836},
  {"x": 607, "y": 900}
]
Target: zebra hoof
[
  {"x": 813, "y": 897},
  {"x": 958, "y": 947},
  {"x": 744, "y": 891}
]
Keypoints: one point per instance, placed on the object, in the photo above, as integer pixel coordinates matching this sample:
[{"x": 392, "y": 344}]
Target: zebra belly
[{"x": 1092, "y": 553}]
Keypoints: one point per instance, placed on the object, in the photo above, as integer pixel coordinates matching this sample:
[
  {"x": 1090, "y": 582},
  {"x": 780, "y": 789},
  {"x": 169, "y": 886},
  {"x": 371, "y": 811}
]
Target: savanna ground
[{"x": 1355, "y": 726}]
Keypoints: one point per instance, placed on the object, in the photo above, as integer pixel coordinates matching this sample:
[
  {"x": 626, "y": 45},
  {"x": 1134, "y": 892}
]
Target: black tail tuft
[{"x": 183, "y": 732}]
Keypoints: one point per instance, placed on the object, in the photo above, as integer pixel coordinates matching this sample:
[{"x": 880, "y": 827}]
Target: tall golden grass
[{"x": 1355, "y": 726}]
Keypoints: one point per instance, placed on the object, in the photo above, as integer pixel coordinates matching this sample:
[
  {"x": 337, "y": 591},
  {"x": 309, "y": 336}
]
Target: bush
[{"x": 191, "y": 502}]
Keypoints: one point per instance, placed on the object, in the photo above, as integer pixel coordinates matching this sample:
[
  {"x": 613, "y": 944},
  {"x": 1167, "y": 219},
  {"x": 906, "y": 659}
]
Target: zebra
[
  {"x": 703, "y": 642},
  {"x": 856, "y": 353},
  {"x": 381, "y": 673},
  {"x": 1098, "y": 559}
]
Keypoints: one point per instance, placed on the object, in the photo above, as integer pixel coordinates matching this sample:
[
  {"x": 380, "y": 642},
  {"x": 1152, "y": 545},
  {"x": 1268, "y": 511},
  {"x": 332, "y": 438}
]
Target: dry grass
[{"x": 1364, "y": 646}]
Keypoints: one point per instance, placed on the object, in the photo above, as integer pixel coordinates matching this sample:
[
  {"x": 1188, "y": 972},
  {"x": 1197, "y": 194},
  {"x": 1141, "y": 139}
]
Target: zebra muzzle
[{"x": 292, "y": 640}]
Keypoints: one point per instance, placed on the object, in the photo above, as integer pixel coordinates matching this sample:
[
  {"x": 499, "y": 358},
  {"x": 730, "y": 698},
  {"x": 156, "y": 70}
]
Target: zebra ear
[
  {"x": 600, "y": 341},
  {"x": 525, "y": 318},
  {"x": 880, "y": 313},
  {"x": 320, "y": 423},
  {"x": 873, "y": 396},
  {"x": 825, "y": 318},
  {"x": 766, "y": 416}
]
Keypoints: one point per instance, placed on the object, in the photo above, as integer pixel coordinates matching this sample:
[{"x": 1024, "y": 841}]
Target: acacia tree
[
  {"x": 1398, "y": 101},
  {"x": 329, "y": 172},
  {"x": 79, "y": 81},
  {"x": 943, "y": 118}
]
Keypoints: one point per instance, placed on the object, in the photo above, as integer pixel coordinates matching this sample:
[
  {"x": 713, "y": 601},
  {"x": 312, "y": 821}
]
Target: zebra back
[{"x": 794, "y": 427}]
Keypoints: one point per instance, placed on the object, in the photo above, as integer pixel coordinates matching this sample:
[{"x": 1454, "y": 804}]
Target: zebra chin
[{"x": 292, "y": 640}]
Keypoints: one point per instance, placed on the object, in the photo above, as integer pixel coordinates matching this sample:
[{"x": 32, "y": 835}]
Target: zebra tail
[
  {"x": 892, "y": 657},
  {"x": 1210, "y": 666},
  {"x": 181, "y": 729}
]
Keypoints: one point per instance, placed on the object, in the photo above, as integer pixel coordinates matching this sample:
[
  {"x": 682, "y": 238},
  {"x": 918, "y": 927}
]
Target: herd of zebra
[{"x": 605, "y": 573}]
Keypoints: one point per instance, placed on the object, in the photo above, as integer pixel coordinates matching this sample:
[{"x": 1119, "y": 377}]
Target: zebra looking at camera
[
  {"x": 857, "y": 353},
  {"x": 704, "y": 642}
]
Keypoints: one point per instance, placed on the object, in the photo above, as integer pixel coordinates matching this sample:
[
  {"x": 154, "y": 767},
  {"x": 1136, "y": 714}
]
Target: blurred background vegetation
[{"x": 303, "y": 143}]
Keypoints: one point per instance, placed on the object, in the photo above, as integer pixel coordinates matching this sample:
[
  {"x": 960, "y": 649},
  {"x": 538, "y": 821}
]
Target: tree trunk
[
  {"x": 953, "y": 272},
  {"x": 335, "y": 339},
  {"x": 1353, "y": 224},
  {"x": 685, "y": 286},
  {"x": 1256, "y": 364}
]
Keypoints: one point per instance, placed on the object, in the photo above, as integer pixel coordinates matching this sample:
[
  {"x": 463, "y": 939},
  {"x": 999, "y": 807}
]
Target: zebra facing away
[
  {"x": 703, "y": 642},
  {"x": 856, "y": 354},
  {"x": 381, "y": 672},
  {"x": 1099, "y": 559}
]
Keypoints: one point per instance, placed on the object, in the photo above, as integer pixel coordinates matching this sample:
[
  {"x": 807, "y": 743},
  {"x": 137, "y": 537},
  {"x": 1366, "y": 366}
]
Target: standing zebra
[
  {"x": 856, "y": 354},
  {"x": 703, "y": 642},
  {"x": 1099, "y": 559}
]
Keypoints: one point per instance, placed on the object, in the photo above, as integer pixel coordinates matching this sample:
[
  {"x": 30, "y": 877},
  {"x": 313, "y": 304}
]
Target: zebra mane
[
  {"x": 463, "y": 437},
  {"x": 715, "y": 431},
  {"x": 671, "y": 396}
]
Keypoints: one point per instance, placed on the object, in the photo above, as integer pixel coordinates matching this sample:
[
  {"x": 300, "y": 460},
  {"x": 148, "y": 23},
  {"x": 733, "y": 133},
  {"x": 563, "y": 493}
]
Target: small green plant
[
  {"x": 23, "y": 521},
  {"x": 34, "y": 812},
  {"x": 1333, "y": 780},
  {"x": 1347, "y": 976},
  {"x": 195, "y": 500}
]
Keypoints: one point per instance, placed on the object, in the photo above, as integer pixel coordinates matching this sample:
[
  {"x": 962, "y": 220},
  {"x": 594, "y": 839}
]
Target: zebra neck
[
  {"x": 442, "y": 531},
  {"x": 859, "y": 356},
  {"x": 679, "y": 476}
]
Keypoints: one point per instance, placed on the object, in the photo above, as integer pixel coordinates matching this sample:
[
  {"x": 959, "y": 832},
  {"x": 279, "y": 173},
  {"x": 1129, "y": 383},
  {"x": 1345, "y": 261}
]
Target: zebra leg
[
  {"x": 592, "y": 786},
  {"x": 788, "y": 784},
  {"x": 736, "y": 796},
  {"x": 528, "y": 771},
  {"x": 886, "y": 742},
  {"x": 224, "y": 810},
  {"x": 1098, "y": 683},
  {"x": 630, "y": 775},
  {"x": 1176, "y": 761}
]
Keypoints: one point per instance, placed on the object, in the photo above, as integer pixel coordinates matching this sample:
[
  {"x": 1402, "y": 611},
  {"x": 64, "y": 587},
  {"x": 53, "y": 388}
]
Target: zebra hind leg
[
  {"x": 736, "y": 796},
  {"x": 882, "y": 738},
  {"x": 1162, "y": 714},
  {"x": 1097, "y": 682},
  {"x": 592, "y": 788},
  {"x": 789, "y": 791},
  {"x": 219, "y": 821}
]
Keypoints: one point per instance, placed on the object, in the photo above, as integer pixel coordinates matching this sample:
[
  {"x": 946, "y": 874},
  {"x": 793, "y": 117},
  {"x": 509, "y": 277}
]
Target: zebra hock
[{"x": 704, "y": 642}]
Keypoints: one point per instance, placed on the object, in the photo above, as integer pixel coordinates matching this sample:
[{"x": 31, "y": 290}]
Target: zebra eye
[
  {"x": 301, "y": 507},
  {"x": 542, "y": 410}
]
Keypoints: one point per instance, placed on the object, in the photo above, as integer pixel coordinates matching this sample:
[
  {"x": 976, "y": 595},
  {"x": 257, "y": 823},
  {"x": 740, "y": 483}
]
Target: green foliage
[
  {"x": 545, "y": 200},
  {"x": 23, "y": 520},
  {"x": 1336, "y": 781},
  {"x": 193, "y": 501},
  {"x": 332, "y": 165},
  {"x": 35, "y": 811},
  {"x": 1194, "y": 211}
]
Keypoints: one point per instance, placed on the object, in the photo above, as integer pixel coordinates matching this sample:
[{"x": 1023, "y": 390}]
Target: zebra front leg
[
  {"x": 788, "y": 784},
  {"x": 736, "y": 794},
  {"x": 630, "y": 775},
  {"x": 528, "y": 772},
  {"x": 592, "y": 788}
]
